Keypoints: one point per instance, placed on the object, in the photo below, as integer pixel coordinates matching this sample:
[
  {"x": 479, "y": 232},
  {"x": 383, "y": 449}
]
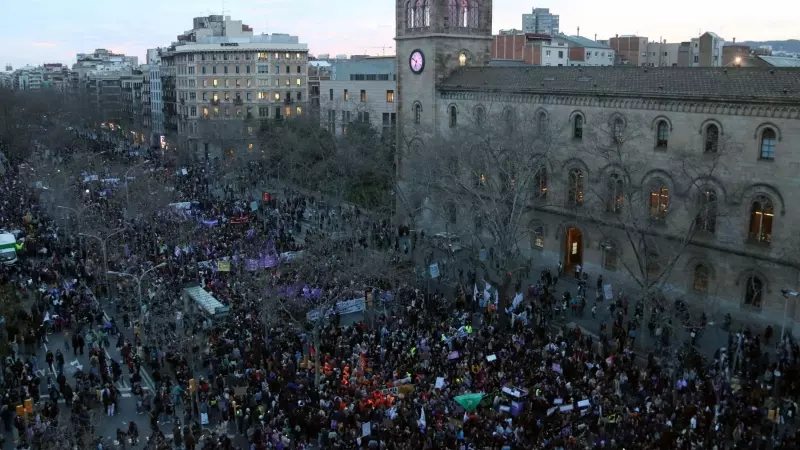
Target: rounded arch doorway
[{"x": 573, "y": 249}]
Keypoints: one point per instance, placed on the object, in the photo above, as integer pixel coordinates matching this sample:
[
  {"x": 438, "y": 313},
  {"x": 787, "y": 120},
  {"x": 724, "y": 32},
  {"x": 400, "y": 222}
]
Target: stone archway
[{"x": 572, "y": 248}]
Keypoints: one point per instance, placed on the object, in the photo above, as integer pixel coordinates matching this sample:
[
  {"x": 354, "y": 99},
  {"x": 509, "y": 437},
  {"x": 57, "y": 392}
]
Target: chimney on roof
[
  {"x": 579, "y": 31},
  {"x": 595, "y": 36},
  {"x": 734, "y": 40}
]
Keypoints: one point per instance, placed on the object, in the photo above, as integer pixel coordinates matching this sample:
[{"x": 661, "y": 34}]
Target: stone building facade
[{"x": 710, "y": 159}]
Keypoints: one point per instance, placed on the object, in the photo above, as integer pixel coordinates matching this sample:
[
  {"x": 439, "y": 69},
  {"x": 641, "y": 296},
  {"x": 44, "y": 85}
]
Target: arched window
[
  {"x": 610, "y": 256},
  {"x": 662, "y": 134},
  {"x": 659, "y": 199},
  {"x": 541, "y": 123},
  {"x": 480, "y": 116},
  {"x": 417, "y": 113},
  {"x": 577, "y": 127},
  {"x": 540, "y": 183},
  {"x": 768, "y": 141},
  {"x": 711, "y": 139},
  {"x": 761, "y": 215},
  {"x": 463, "y": 13},
  {"x": 575, "y": 191},
  {"x": 417, "y": 13},
  {"x": 411, "y": 14},
  {"x": 462, "y": 59},
  {"x": 615, "y": 193},
  {"x": 706, "y": 219},
  {"x": 452, "y": 7},
  {"x": 700, "y": 281},
  {"x": 426, "y": 13},
  {"x": 473, "y": 14},
  {"x": 537, "y": 237},
  {"x": 453, "y": 116},
  {"x": 753, "y": 291},
  {"x": 617, "y": 129}
]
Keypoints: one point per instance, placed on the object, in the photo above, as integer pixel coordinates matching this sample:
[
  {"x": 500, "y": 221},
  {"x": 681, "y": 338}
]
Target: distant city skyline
[{"x": 53, "y": 31}]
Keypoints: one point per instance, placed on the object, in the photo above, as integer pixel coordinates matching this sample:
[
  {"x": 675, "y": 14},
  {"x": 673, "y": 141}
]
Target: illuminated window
[
  {"x": 288, "y": 82},
  {"x": 298, "y": 82},
  {"x": 215, "y": 82},
  {"x": 346, "y": 95},
  {"x": 659, "y": 200},
  {"x": 575, "y": 193},
  {"x": 390, "y": 97},
  {"x": 250, "y": 146},
  {"x": 540, "y": 184},
  {"x": 288, "y": 110},
  {"x": 277, "y": 96},
  {"x": 363, "y": 96},
  {"x": 538, "y": 237},
  {"x": 205, "y": 111},
  {"x": 262, "y": 95},
  {"x": 462, "y": 59},
  {"x": 761, "y": 216},
  {"x": 299, "y": 110},
  {"x": 216, "y": 111}
]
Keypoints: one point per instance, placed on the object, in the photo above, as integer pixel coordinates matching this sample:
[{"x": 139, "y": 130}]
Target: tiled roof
[{"x": 744, "y": 84}]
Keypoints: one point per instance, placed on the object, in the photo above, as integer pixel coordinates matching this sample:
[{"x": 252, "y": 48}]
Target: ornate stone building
[{"x": 733, "y": 129}]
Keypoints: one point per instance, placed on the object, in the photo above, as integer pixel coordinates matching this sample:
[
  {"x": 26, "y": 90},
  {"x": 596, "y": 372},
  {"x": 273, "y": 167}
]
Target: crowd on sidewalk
[{"x": 416, "y": 376}]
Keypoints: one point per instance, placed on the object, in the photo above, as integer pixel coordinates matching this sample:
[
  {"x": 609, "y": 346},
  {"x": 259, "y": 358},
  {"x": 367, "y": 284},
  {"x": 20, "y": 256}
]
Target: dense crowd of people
[{"x": 404, "y": 374}]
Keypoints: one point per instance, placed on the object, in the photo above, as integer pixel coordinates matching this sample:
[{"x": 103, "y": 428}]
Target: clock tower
[{"x": 434, "y": 38}]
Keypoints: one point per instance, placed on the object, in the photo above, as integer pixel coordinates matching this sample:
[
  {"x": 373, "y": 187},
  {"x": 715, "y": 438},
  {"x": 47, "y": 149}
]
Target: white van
[{"x": 8, "y": 248}]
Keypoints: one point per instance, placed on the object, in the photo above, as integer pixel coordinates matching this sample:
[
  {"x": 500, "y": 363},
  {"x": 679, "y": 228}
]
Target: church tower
[{"x": 434, "y": 38}]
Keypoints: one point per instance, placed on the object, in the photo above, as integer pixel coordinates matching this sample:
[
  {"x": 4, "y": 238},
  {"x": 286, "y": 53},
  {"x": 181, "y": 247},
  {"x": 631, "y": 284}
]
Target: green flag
[{"x": 469, "y": 401}]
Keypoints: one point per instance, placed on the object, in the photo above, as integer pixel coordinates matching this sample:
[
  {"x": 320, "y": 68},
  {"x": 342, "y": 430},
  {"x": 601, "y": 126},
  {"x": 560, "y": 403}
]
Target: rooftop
[
  {"x": 781, "y": 61},
  {"x": 702, "y": 83},
  {"x": 585, "y": 42}
]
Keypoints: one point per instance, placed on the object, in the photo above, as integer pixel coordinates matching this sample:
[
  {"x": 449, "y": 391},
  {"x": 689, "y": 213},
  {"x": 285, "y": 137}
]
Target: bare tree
[
  {"x": 479, "y": 186},
  {"x": 650, "y": 207},
  {"x": 335, "y": 270}
]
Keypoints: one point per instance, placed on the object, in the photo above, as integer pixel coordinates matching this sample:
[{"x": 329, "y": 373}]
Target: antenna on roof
[{"x": 579, "y": 31}]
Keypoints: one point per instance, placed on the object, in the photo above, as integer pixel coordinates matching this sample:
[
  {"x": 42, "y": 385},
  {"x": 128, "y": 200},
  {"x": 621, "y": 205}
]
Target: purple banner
[
  {"x": 210, "y": 223},
  {"x": 251, "y": 264}
]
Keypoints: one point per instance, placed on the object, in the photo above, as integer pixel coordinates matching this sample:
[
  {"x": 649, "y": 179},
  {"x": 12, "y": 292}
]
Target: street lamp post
[
  {"x": 127, "y": 198},
  {"x": 786, "y": 294},
  {"x": 138, "y": 280},
  {"x": 103, "y": 248}
]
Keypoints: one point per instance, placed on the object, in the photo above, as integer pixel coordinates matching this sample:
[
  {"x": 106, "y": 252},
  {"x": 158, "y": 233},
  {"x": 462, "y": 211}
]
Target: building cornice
[
  {"x": 751, "y": 108},
  {"x": 443, "y": 35}
]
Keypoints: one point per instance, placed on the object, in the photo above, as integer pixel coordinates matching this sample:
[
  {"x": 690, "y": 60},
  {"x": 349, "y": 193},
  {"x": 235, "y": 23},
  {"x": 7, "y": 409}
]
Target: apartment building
[
  {"x": 360, "y": 90},
  {"x": 629, "y": 49},
  {"x": 586, "y": 52},
  {"x": 318, "y": 71},
  {"x": 662, "y": 54},
  {"x": 156, "y": 100},
  {"x": 219, "y": 79},
  {"x": 29, "y": 78},
  {"x": 540, "y": 21},
  {"x": 545, "y": 50},
  {"x": 707, "y": 50}
]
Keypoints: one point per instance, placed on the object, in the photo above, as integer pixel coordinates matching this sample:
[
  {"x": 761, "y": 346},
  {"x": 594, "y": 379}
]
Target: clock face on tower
[{"x": 416, "y": 61}]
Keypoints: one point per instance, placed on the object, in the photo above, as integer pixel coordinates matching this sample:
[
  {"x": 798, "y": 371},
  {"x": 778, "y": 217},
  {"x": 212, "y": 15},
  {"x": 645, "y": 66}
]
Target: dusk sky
[{"x": 41, "y": 31}]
